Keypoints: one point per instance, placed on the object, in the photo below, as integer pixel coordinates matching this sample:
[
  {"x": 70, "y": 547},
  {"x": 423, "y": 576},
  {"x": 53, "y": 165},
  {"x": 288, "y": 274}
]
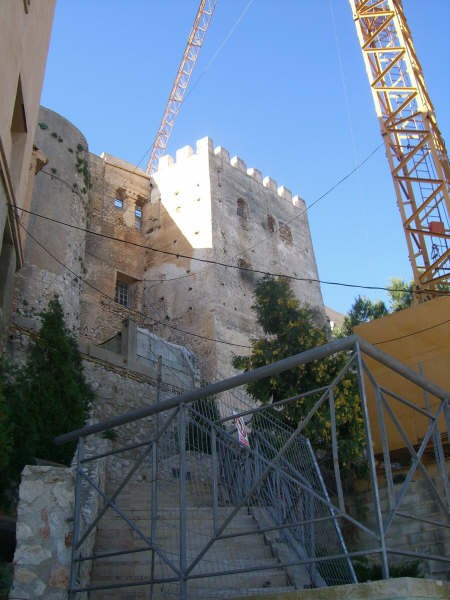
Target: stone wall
[
  {"x": 215, "y": 209},
  {"x": 44, "y": 533},
  {"x": 405, "y": 533},
  {"x": 55, "y": 248},
  {"x": 196, "y": 212},
  {"x": 405, "y": 588}
]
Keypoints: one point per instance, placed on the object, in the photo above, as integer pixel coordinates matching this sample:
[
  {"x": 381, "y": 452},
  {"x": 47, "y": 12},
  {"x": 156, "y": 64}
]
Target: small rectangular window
[
  {"x": 118, "y": 202},
  {"x": 138, "y": 217},
  {"x": 122, "y": 293}
]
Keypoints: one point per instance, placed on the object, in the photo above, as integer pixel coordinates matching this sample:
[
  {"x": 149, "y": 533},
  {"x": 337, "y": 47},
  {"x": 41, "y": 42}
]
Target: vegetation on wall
[
  {"x": 290, "y": 328},
  {"x": 45, "y": 398},
  {"x": 81, "y": 163}
]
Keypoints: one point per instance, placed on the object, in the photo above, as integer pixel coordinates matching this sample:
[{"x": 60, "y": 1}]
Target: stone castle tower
[{"x": 175, "y": 252}]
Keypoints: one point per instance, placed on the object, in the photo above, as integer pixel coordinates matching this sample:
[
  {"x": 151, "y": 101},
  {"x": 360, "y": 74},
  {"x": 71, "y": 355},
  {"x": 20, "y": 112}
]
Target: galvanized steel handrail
[{"x": 285, "y": 364}]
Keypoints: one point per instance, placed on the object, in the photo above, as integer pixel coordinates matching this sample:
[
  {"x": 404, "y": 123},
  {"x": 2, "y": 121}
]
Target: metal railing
[{"x": 178, "y": 507}]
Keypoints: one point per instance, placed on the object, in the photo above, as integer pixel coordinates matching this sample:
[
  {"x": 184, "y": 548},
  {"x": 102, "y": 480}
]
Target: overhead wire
[
  {"x": 178, "y": 329},
  {"x": 127, "y": 308},
  {"x": 406, "y": 335},
  {"x": 327, "y": 192},
  {"x": 219, "y": 49},
  {"x": 237, "y": 267},
  {"x": 297, "y": 216},
  {"x": 195, "y": 83}
]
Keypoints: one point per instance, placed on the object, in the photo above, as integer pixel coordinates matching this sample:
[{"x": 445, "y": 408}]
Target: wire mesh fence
[{"x": 224, "y": 498}]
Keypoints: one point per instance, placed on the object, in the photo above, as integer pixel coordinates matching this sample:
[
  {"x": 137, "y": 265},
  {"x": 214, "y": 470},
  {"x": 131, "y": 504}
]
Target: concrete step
[
  {"x": 256, "y": 548},
  {"x": 244, "y": 552},
  {"x": 116, "y": 569},
  {"x": 193, "y": 594}
]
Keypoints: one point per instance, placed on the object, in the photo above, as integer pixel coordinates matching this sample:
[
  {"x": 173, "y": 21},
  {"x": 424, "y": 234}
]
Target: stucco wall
[{"x": 24, "y": 38}]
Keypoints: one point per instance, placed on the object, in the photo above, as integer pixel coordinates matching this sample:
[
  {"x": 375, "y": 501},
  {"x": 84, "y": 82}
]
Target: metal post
[
  {"x": 154, "y": 505},
  {"x": 332, "y": 510},
  {"x": 74, "y": 565},
  {"x": 335, "y": 452},
  {"x": 437, "y": 442},
  {"x": 384, "y": 438},
  {"x": 214, "y": 477},
  {"x": 182, "y": 498},
  {"x": 372, "y": 466}
]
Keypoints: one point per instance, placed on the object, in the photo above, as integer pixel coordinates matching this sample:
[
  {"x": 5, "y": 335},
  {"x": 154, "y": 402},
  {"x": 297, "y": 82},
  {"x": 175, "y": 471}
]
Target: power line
[
  {"x": 297, "y": 216},
  {"x": 406, "y": 335},
  {"x": 219, "y": 49},
  {"x": 127, "y": 308},
  {"x": 168, "y": 325},
  {"x": 327, "y": 192},
  {"x": 226, "y": 265}
]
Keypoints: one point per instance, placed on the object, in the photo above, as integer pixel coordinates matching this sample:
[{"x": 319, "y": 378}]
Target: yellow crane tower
[{"x": 415, "y": 149}]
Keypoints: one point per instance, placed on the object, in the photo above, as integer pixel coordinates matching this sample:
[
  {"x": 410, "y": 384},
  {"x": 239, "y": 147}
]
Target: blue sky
[{"x": 287, "y": 93}]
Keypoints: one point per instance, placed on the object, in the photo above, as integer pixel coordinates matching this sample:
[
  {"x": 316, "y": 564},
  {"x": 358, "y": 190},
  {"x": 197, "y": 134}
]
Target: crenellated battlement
[{"x": 206, "y": 146}]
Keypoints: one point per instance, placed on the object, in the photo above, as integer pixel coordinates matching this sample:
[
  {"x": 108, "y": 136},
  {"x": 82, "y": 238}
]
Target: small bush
[
  {"x": 374, "y": 572},
  {"x": 6, "y": 572}
]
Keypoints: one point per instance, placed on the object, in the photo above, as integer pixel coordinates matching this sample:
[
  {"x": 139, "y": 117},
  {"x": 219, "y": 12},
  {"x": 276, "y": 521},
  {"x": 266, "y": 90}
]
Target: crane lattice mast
[
  {"x": 187, "y": 64},
  {"x": 415, "y": 148}
]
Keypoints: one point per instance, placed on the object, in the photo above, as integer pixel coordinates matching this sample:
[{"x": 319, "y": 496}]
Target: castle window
[
  {"x": 138, "y": 217},
  {"x": 242, "y": 209},
  {"x": 119, "y": 200},
  {"x": 285, "y": 233},
  {"x": 271, "y": 223},
  {"x": 138, "y": 213},
  {"x": 122, "y": 295},
  {"x": 245, "y": 270}
]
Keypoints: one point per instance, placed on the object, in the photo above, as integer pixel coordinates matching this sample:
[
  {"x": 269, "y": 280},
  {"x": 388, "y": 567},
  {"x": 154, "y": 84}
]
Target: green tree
[
  {"x": 54, "y": 391},
  {"x": 363, "y": 310},
  {"x": 49, "y": 396},
  {"x": 290, "y": 328},
  {"x": 401, "y": 294}
]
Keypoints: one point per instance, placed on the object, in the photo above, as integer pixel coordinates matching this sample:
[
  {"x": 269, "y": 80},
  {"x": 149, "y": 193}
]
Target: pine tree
[{"x": 53, "y": 396}]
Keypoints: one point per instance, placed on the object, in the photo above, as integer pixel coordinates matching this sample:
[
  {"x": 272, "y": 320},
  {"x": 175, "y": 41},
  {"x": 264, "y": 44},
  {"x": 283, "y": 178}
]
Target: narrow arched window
[
  {"x": 285, "y": 233},
  {"x": 271, "y": 223},
  {"x": 242, "y": 209}
]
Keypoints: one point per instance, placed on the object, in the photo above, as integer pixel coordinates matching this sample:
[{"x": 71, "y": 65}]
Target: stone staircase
[{"x": 250, "y": 552}]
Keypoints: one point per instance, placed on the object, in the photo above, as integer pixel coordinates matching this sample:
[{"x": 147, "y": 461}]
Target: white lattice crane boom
[
  {"x": 187, "y": 64},
  {"x": 416, "y": 151}
]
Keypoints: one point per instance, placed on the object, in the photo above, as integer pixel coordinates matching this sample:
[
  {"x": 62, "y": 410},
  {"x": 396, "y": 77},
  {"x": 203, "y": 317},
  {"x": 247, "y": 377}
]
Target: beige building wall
[
  {"x": 24, "y": 37},
  {"x": 419, "y": 337}
]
